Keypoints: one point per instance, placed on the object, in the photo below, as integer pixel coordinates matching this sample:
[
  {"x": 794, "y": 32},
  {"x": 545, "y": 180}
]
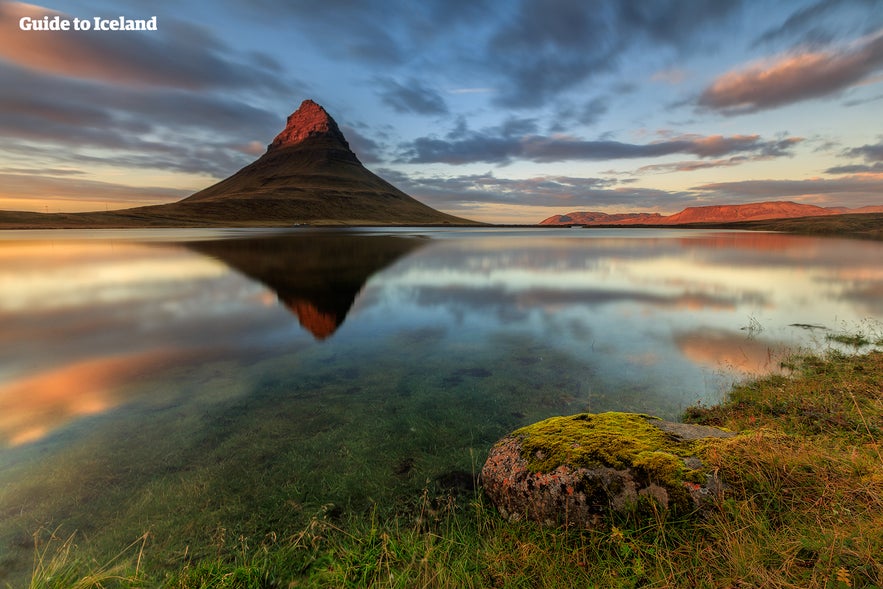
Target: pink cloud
[{"x": 796, "y": 77}]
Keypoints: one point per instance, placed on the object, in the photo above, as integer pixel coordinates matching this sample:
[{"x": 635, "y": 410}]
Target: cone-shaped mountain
[{"x": 309, "y": 174}]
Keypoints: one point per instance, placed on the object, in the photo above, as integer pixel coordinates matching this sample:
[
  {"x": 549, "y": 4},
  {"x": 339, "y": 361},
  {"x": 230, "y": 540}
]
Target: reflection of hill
[{"x": 315, "y": 275}]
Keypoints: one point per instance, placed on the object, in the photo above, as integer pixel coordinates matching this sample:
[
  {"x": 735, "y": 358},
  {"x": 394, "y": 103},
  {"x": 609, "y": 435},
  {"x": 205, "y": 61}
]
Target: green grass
[{"x": 804, "y": 508}]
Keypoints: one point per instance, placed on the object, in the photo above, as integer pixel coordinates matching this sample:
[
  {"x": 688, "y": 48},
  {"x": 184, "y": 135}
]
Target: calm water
[{"x": 203, "y": 385}]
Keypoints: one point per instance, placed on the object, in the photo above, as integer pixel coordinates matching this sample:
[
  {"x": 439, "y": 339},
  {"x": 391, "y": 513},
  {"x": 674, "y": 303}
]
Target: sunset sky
[{"x": 502, "y": 111}]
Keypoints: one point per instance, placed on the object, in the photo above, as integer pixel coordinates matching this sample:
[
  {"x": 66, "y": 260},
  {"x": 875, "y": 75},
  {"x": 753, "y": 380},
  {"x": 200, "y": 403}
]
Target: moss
[
  {"x": 660, "y": 466},
  {"x": 615, "y": 440}
]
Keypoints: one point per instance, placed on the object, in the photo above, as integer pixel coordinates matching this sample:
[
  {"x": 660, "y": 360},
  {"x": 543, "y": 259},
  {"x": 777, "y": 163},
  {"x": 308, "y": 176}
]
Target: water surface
[{"x": 203, "y": 385}]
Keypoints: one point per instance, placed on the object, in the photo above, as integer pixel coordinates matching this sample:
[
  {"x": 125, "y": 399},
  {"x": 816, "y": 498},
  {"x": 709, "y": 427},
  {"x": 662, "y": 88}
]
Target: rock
[
  {"x": 574, "y": 470},
  {"x": 309, "y": 120}
]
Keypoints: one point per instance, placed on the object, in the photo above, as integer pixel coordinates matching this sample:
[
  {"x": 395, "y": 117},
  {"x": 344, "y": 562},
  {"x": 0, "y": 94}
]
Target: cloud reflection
[
  {"x": 35, "y": 406},
  {"x": 719, "y": 349}
]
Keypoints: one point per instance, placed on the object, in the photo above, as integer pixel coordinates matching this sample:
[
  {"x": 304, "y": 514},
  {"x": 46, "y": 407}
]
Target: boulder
[{"x": 574, "y": 470}]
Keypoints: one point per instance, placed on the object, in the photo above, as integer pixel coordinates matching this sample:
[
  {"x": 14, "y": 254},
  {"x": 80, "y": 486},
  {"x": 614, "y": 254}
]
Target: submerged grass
[{"x": 804, "y": 509}]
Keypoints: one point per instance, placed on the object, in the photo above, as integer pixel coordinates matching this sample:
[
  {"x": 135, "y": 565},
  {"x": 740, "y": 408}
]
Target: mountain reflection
[{"x": 316, "y": 276}]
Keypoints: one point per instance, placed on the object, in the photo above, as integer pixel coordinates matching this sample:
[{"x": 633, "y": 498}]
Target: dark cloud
[
  {"x": 412, "y": 97},
  {"x": 156, "y": 128},
  {"x": 367, "y": 150},
  {"x": 820, "y": 21},
  {"x": 497, "y": 145},
  {"x": 178, "y": 55},
  {"x": 797, "y": 76},
  {"x": 546, "y": 47},
  {"x": 572, "y": 193},
  {"x": 529, "y": 50},
  {"x": 871, "y": 153},
  {"x": 42, "y": 188},
  {"x": 586, "y": 114},
  {"x": 855, "y": 191},
  {"x": 856, "y": 169},
  {"x": 389, "y": 33}
]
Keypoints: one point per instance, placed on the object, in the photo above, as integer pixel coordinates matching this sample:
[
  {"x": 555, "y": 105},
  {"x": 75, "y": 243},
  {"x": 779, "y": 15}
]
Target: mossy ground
[{"x": 805, "y": 509}]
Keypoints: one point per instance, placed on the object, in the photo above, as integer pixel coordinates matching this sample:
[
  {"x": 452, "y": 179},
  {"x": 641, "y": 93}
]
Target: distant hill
[
  {"x": 708, "y": 214},
  {"x": 308, "y": 175},
  {"x": 596, "y": 218}
]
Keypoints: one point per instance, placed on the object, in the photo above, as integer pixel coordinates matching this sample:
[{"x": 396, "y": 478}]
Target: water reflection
[
  {"x": 165, "y": 367},
  {"x": 316, "y": 276}
]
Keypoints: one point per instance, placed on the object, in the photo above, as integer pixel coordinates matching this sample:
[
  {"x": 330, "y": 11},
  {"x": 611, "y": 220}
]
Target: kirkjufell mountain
[{"x": 308, "y": 176}]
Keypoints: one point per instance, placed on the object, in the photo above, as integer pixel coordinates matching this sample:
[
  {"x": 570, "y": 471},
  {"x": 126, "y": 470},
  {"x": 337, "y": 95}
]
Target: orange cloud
[
  {"x": 134, "y": 58},
  {"x": 791, "y": 78},
  {"x": 58, "y": 52}
]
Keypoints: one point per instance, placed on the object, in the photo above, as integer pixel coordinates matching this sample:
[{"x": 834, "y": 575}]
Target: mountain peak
[{"x": 309, "y": 120}]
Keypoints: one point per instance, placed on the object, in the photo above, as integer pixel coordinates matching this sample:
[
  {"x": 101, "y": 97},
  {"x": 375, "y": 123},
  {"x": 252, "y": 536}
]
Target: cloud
[
  {"x": 820, "y": 22},
  {"x": 40, "y": 188},
  {"x": 573, "y": 193},
  {"x": 692, "y": 166},
  {"x": 799, "y": 76},
  {"x": 871, "y": 153},
  {"x": 386, "y": 34},
  {"x": 60, "y": 120},
  {"x": 856, "y": 169},
  {"x": 497, "y": 145},
  {"x": 413, "y": 97},
  {"x": 587, "y": 113},
  {"x": 546, "y": 48},
  {"x": 177, "y": 55},
  {"x": 367, "y": 150},
  {"x": 853, "y": 191},
  {"x": 527, "y": 51}
]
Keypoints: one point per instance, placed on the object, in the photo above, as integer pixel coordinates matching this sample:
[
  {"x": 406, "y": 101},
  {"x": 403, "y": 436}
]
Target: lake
[{"x": 213, "y": 386}]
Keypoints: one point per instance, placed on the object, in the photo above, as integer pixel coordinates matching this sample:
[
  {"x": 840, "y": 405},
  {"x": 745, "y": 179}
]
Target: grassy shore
[{"x": 804, "y": 509}]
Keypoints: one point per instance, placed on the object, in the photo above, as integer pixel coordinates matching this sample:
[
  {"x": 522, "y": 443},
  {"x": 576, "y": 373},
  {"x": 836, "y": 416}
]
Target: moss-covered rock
[{"x": 573, "y": 470}]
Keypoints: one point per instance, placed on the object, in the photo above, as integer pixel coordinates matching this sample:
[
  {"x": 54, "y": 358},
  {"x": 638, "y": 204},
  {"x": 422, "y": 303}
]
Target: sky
[{"x": 505, "y": 111}]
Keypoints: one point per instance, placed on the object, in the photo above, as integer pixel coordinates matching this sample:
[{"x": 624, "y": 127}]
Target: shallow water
[{"x": 203, "y": 385}]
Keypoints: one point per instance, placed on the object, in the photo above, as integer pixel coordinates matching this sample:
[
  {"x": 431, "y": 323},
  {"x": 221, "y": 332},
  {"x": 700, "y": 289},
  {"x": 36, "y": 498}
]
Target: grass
[{"x": 804, "y": 508}]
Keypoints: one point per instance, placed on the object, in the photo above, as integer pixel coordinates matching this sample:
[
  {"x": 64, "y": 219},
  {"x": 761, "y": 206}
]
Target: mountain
[
  {"x": 747, "y": 212},
  {"x": 706, "y": 214},
  {"x": 596, "y": 218},
  {"x": 308, "y": 175}
]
